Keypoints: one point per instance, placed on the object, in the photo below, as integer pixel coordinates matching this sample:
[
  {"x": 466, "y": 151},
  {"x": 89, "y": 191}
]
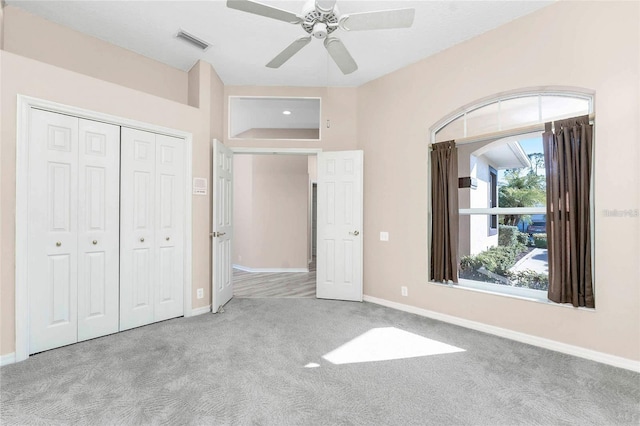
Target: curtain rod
[{"x": 507, "y": 133}]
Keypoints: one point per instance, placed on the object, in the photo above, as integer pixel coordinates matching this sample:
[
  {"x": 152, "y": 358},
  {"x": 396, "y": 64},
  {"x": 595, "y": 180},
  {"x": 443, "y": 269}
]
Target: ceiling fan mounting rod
[{"x": 324, "y": 7}]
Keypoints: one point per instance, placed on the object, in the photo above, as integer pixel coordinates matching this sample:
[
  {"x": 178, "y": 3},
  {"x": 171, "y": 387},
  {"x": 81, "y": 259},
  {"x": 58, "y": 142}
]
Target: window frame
[
  {"x": 526, "y": 130},
  {"x": 493, "y": 201}
]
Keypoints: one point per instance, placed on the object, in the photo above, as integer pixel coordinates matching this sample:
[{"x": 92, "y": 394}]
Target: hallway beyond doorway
[{"x": 275, "y": 284}]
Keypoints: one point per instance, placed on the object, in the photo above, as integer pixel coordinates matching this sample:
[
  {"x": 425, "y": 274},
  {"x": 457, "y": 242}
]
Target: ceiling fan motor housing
[{"x": 319, "y": 23}]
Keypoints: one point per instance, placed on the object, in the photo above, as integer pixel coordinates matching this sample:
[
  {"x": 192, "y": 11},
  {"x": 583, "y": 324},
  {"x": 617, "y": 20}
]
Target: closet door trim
[{"x": 25, "y": 104}]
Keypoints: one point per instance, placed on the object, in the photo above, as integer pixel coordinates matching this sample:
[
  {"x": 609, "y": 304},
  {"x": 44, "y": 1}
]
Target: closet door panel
[
  {"x": 169, "y": 213},
  {"x": 137, "y": 228},
  {"x": 99, "y": 229},
  {"x": 52, "y": 230}
]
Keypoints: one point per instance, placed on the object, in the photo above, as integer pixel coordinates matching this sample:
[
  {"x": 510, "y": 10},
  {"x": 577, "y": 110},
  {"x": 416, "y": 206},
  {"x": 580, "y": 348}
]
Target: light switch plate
[{"x": 384, "y": 236}]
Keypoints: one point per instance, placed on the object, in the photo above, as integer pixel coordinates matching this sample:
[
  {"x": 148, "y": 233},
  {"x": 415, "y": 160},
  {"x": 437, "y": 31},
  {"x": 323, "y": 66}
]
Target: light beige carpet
[{"x": 310, "y": 362}]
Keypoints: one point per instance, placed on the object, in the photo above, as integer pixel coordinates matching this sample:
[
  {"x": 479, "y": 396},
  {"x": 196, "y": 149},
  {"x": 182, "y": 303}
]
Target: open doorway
[{"x": 274, "y": 225}]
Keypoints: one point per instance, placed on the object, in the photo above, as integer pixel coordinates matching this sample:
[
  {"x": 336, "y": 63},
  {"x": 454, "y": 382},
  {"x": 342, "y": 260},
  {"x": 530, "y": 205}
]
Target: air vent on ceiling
[{"x": 199, "y": 43}]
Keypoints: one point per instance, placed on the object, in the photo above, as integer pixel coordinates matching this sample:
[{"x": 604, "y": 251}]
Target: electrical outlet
[
  {"x": 200, "y": 293},
  {"x": 404, "y": 291},
  {"x": 384, "y": 236}
]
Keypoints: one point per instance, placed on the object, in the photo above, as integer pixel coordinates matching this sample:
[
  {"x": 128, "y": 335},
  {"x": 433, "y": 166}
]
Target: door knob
[
  {"x": 95, "y": 242},
  {"x": 219, "y": 234},
  {"x": 142, "y": 240},
  {"x": 168, "y": 238},
  {"x": 58, "y": 244},
  {"x": 356, "y": 233}
]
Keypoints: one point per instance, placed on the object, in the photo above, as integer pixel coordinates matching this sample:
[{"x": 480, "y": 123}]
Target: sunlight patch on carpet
[{"x": 388, "y": 343}]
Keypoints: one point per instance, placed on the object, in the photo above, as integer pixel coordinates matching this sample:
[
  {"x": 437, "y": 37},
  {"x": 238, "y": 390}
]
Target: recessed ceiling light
[{"x": 286, "y": 112}]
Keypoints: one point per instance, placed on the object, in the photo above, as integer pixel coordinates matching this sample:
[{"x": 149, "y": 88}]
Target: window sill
[{"x": 537, "y": 296}]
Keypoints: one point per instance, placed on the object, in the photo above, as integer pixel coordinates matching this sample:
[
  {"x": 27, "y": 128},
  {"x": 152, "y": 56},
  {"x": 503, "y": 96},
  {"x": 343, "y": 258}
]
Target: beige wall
[
  {"x": 542, "y": 49},
  {"x": 217, "y": 100},
  {"x": 339, "y": 105},
  {"x": 193, "y": 86},
  {"x": 206, "y": 91},
  {"x": 36, "y": 38},
  {"x": 242, "y": 210},
  {"x": 271, "y": 202}
]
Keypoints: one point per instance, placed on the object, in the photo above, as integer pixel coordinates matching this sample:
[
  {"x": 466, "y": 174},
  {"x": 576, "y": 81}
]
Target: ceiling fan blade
[
  {"x": 264, "y": 10},
  {"x": 340, "y": 55},
  {"x": 288, "y": 52},
  {"x": 378, "y": 20}
]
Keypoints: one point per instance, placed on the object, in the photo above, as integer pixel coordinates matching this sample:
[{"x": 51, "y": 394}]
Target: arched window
[
  {"x": 514, "y": 110},
  {"x": 502, "y": 185}
]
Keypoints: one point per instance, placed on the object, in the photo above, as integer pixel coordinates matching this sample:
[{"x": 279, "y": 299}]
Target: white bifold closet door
[
  {"x": 72, "y": 229},
  {"x": 151, "y": 228}
]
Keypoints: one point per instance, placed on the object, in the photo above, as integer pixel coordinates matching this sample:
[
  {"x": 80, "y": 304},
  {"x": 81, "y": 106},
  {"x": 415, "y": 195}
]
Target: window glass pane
[
  {"x": 518, "y": 112},
  {"x": 452, "y": 131},
  {"x": 513, "y": 113},
  {"x": 563, "y": 106},
  {"x": 519, "y": 166},
  {"x": 520, "y": 185},
  {"x": 510, "y": 257},
  {"x": 483, "y": 120}
]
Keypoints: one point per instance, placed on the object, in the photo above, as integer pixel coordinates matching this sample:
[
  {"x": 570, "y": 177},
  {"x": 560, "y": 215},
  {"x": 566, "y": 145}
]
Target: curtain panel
[
  {"x": 444, "y": 210},
  {"x": 568, "y": 156}
]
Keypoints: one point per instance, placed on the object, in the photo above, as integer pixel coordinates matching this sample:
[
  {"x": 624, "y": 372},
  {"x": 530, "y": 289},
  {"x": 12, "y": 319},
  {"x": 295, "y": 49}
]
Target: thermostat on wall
[{"x": 199, "y": 186}]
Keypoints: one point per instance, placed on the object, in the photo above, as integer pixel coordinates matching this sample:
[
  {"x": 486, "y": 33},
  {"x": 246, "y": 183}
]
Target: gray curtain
[
  {"x": 567, "y": 155},
  {"x": 444, "y": 208}
]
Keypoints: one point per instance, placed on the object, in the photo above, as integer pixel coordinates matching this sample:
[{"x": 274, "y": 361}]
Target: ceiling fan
[{"x": 320, "y": 18}]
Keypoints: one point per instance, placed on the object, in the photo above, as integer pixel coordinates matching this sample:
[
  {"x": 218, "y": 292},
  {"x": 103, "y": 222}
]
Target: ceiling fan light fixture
[{"x": 320, "y": 30}]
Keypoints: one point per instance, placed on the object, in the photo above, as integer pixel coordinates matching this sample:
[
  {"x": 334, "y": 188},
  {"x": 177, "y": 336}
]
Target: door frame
[
  {"x": 25, "y": 104},
  {"x": 262, "y": 151}
]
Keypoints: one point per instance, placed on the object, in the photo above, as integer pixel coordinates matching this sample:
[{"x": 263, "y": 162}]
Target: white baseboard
[
  {"x": 247, "y": 269},
  {"x": 7, "y": 359},
  {"x": 553, "y": 345},
  {"x": 200, "y": 311}
]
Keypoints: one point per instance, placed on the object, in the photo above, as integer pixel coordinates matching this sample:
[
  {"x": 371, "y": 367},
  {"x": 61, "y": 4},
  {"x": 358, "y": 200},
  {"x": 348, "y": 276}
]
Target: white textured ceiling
[{"x": 243, "y": 43}]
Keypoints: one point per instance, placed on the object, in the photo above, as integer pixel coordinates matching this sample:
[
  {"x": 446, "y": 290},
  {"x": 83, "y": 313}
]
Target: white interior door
[
  {"x": 137, "y": 228},
  {"x": 98, "y": 229},
  {"x": 339, "y": 227},
  {"x": 52, "y": 230},
  {"x": 222, "y": 186},
  {"x": 169, "y": 229}
]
